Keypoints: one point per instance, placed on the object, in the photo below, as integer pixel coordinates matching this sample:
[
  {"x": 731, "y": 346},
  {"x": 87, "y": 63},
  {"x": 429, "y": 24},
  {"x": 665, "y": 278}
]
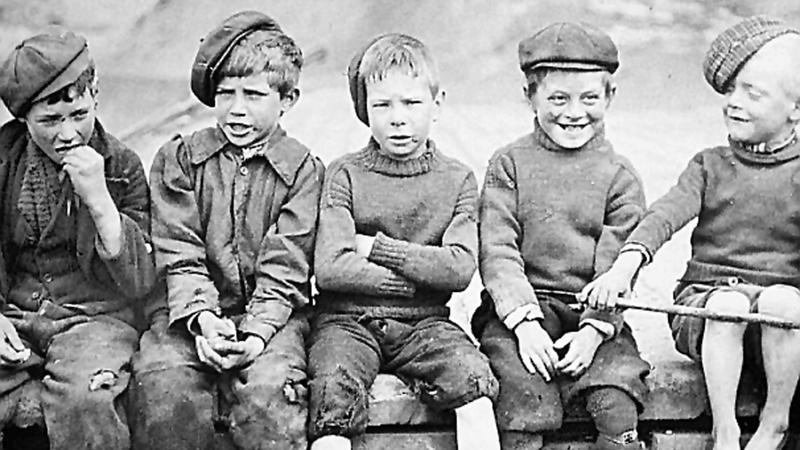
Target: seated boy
[
  {"x": 746, "y": 245},
  {"x": 397, "y": 236},
  {"x": 234, "y": 220},
  {"x": 557, "y": 205},
  {"x": 74, "y": 247}
]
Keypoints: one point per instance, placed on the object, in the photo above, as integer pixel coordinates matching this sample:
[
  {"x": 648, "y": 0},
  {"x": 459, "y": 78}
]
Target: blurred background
[{"x": 664, "y": 111}]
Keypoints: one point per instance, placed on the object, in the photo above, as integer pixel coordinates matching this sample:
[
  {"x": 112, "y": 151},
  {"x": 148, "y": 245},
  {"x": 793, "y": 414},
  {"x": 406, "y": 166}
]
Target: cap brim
[
  {"x": 68, "y": 76},
  {"x": 569, "y": 65}
]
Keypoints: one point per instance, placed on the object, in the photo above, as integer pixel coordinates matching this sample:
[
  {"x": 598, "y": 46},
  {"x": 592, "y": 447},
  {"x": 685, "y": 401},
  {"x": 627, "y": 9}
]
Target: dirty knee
[
  {"x": 458, "y": 388},
  {"x": 338, "y": 405}
]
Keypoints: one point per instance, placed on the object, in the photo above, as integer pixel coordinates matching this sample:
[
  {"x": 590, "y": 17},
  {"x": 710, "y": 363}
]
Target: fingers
[
  {"x": 10, "y": 356},
  {"x": 10, "y": 336},
  {"x": 207, "y": 355},
  {"x": 564, "y": 340},
  {"x": 225, "y": 347}
]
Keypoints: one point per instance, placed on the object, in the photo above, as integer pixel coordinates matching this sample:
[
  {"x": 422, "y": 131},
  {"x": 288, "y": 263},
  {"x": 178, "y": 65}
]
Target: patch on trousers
[
  {"x": 295, "y": 391},
  {"x": 343, "y": 403},
  {"x": 103, "y": 379}
]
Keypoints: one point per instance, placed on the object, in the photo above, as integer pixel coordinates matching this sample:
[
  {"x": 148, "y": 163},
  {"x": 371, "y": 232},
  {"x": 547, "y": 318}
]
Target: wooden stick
[
  {"x": 680, "y": 310},
  {"x": 703, "y": 313}
]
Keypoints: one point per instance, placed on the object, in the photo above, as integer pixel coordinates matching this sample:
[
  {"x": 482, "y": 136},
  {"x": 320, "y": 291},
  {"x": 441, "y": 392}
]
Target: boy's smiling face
[
  {"x": 758, "y": 106},
  {"x": 248, "y": 109},
  {"x": 571, "y": 105},
  {"x": 401, "y": 109}
]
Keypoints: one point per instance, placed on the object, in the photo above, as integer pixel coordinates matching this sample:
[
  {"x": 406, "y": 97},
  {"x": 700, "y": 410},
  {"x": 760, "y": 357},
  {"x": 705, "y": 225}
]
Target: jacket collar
[{"x": 283, "y": 153}]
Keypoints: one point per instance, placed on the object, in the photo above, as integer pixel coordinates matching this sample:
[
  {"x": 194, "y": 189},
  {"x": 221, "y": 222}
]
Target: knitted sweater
[
  {"x": 422, "y": 213},
  {"x": 747, "y": 209},
  {"x": 554, "y": 218}
]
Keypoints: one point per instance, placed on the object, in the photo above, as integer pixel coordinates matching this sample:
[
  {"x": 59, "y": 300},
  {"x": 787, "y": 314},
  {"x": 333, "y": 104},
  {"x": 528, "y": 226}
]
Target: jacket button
[
  {"x": 36, "y": 295},
  {"x": 243, "y": 170},
  {"x": 47, "y": 278}
]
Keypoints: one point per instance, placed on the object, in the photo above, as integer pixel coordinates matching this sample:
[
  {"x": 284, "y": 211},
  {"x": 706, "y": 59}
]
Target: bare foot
[{"x": 766, "y": 440}]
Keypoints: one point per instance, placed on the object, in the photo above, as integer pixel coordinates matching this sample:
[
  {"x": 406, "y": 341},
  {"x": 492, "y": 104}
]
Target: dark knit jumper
[
  {"x": 747, "y": 206},
  {"x": 422, "y": 212},
  {"x": 554, "y": 218}
]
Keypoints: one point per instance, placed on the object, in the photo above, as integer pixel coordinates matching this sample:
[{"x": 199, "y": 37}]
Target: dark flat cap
[
  {"x": 734, "y": 47},
  {"x": 40, "y": 66},
  {"x": 358, "y": 88},
  {"x": 567, "y": 45},
  {"x": 216, "y": 46}
]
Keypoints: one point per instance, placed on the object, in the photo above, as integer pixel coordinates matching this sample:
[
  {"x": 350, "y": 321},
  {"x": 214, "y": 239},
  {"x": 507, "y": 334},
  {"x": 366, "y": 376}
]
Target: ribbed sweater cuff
[
  {"x": 388, "y": 252},
  {"x": 397, "y": 286}
]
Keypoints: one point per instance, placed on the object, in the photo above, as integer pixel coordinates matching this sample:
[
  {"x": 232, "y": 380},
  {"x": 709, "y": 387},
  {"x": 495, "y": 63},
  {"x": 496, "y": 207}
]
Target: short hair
[
  {"x": 268, "y": 51},
  {"x": 535, "y": 77},
  {"x": 399, "y": 51},
  {"x": 86, "y": 81},
  {"x": 783, "y": 54}
]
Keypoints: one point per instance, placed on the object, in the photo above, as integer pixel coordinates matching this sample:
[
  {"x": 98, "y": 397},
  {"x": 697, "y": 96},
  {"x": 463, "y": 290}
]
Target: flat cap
[
  {"x": 355, "y": 80},
  {"x": 39, "y": 66},
  {"x": 734, "y": 47},
  {"x": 567, "y": 45},
  {"x": 216, "y": 46}
]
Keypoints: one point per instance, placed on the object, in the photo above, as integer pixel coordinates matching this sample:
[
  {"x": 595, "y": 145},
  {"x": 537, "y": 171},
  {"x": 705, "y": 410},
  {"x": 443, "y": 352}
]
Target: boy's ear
[
  {"x": 612, "y": 92},
  {"x": 289, "y": 99},
  {"x": 438, "y": 100},
  {"x": 794, "y": 114}
]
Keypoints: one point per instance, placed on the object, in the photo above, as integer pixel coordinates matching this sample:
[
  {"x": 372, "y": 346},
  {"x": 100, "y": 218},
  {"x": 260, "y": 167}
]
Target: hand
[
  {"x": 364, "y": 245},
  {"x": 239, "y": 354},
  {"x": 214, "y": 330},
  {"x": 536, "y": 349},
  {"x": 580, "y": 354},
  {"x": 12, "y": 351},
  {"x": 603, "y": 292},
  {"x": 86, "y": 170}
]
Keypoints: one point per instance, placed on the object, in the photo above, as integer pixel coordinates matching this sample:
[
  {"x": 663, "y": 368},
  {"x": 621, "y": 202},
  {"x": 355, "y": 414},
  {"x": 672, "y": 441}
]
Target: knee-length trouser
[
  {"x": 82, "y": 364},
  {"x": 433, "y": 356},
  {"x": 176, "y": 399}
]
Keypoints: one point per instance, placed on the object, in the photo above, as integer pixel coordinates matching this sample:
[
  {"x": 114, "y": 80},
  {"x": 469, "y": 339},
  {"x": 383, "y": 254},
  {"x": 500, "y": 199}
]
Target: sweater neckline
[
  {"x": 597, "y": 142},
  {"x": 790, "y": 149},
  {"x": 372, "y": 158}
]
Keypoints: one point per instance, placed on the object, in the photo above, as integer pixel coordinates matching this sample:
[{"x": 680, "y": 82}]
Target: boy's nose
[
  {"x": 238, "y": 105},
  {"x": 574, "y": 110},
  {"x": 67, "y": 132},
  {"x": 397, "y": 116}
]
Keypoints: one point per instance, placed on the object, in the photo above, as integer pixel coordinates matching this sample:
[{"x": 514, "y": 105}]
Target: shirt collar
[{"x": 283, "y": 153}]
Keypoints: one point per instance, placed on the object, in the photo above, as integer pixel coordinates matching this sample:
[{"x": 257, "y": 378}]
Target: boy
[
  {"x": 397, "y": 236},
  {"x": 745, "y": 247},
  {"x": 74, "y": 246},
  {"x": 234, "y": 222},
  {"x": 556, "y": 206}
]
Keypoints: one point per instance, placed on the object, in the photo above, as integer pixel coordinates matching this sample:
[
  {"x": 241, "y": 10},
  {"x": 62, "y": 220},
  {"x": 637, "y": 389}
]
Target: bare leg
[
  {"x": 476, "y": 427},
  {"x": 781, "y": 350},
  {"x": 332, "y": 442},
  {"x": 722, "y": 353}
]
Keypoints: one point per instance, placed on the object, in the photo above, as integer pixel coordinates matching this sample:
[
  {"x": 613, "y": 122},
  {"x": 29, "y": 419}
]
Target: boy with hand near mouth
[
  {"x": 234, "y": 222},
  {"x": 746, "y": 245},
  {"x": 74, "y": 246},
  {"x": 397, "y": 236},
  {"x": 557, "y": 205}
]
